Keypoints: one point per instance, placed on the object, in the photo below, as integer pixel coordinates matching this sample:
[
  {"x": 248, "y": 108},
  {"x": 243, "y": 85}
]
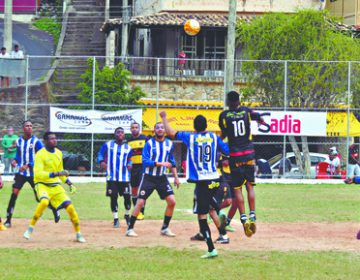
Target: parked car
[
  {"x": 294, "y": 172},
  {"x": 76, "y": 162}
]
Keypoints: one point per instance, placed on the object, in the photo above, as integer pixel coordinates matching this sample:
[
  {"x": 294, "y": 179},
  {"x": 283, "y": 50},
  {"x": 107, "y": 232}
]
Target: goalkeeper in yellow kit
[{"x": 48, "y": 172}]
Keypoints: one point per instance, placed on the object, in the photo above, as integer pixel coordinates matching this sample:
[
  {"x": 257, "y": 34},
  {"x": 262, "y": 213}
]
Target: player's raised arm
[{"x": 169, "y": 131}]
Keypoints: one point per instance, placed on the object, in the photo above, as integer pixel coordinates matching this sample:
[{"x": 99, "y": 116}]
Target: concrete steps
[{"x": 83, "y": 38}]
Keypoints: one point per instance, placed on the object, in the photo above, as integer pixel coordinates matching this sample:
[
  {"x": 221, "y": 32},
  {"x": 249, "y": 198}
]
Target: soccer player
[
  {"x": 2, "y": 227},
  {"x": 26, "y": 147},
  {"x": 201, "y": 167},
  {"x": 48, "y": 172},
  {"x": 137, "y": 142},
  {"x": 157, "y": 156},
  {"x": 114, "y": 157},
  {"x": 235, "y": 125}
]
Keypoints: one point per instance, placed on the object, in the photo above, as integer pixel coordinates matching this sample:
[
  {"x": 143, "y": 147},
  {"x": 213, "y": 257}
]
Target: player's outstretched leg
[
  {"x": 40, "y": 208},
  {"x": 76, "y": 222}
]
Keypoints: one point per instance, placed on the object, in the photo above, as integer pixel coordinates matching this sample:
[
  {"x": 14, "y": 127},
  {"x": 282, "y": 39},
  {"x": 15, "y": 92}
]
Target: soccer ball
[{"x": 192, "y": 27}]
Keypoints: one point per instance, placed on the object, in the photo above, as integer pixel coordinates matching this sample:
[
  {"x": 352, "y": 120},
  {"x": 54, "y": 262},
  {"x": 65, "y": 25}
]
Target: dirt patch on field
[{"x": 270, "y": 236}]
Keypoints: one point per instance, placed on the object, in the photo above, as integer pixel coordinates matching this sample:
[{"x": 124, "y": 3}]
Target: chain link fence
[{"x": 186, "y": 89}]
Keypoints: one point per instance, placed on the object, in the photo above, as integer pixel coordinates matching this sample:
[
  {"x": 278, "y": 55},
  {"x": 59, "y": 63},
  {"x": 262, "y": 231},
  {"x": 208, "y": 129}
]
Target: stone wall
[
  {"x": 12, "y": 108},
  {"x": 185, "y": 88}
]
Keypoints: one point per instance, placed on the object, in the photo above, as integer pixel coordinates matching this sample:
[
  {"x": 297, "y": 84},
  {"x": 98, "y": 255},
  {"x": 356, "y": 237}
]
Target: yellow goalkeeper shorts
[{"x": 56, "y": 195}]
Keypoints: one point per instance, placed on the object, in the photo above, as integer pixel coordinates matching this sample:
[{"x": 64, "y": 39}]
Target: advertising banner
[{"x": 92, "y": 121}]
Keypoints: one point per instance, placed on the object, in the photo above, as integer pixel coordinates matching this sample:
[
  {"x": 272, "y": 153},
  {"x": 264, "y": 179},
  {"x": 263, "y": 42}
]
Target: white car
[{"x": 294, "y": 172}]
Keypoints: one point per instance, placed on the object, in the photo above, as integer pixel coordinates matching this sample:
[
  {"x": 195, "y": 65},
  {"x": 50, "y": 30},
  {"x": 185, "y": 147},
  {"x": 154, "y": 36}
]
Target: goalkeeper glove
[
  {"x": 72, "y": 189},
  {"x": 63, "y": 173}
]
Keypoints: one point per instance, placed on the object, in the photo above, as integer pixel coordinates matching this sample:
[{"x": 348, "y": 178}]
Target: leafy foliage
[
  {"x": 50, "y": 25},
  {"x": 112, "y": 86},
  {"x": 306, "y": 35}
]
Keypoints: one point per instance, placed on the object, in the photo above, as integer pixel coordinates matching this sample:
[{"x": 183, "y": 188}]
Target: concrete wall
[{"x": 147, "y": 7}]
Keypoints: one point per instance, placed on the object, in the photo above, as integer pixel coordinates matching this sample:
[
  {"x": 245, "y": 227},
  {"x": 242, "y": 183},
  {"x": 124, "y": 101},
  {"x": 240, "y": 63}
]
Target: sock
[
  {"x": 134, "y": 199},
  {"x": 11, "y": 206},
  {"x": 252, "y": 216},
  {"x": 243, "y": 218},
  {"x": 127, "y": 201},
  {"x": 228, "y": 221},
  {"x": 73, "y": 217},
  {"x": 166, "y": 222},
  {"x": 143, "y": 209},
  {"x": 113, "y": 204},
  {"x": 132, "y": 222},
  {"x": 40, "y": 208},
  {"x": 205, "y": 231},
  {"x": 116, "y": 215},
  {"x": 222, "y": 231}
]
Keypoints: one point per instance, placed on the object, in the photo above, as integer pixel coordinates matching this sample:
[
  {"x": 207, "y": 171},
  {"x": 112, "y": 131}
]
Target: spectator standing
[
  {"x": 353, "y": 161},
  {"x": 181, "y": 60},
  {"x": 5, "y": 81},
  {"x": 9, "y": 144},
  {"x": 263, "y": 169},
  {"x": 115, "y": 157},
  {"x": 17, "y": 54}
]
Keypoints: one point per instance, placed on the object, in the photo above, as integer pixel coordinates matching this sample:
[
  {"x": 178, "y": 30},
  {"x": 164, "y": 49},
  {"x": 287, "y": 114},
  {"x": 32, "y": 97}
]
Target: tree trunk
[
  {"x": 297, "y": 153},
  {"x": 306, "y": 153}
]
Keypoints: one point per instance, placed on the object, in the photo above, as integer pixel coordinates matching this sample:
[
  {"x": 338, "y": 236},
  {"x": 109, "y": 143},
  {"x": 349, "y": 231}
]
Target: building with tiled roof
[{"x": 156, "y": 30}]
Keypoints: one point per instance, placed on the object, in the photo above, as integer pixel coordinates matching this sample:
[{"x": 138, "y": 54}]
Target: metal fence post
[
  {"x": 348, "y": 116},
  {"x": 285, "y": 109},
  {"x": 26, "y": 87},
  {"x": 225, "y": 82},
  {"x": 157, "y": 88},
  {"x": 93, "y": 107}
]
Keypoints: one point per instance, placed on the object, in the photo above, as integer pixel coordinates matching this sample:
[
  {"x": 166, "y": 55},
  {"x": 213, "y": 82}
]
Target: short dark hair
[
  {"x": 24, "y": 122},
  {"x": 46, "y": 134},
  {"x": 134, "y": 122},
  {"x": 233, "y": 96},
  {"x": 118, "y": 128},
  {"x": 157, "y": 124},
  {"x": 16, "y": 46},
  {"x": 200, "y": 123},
  {"x": 3, "y": 49}
]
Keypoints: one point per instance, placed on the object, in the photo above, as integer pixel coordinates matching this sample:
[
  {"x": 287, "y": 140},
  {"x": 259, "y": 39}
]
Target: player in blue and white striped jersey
[
  {"x": 26, "y": 147},
  {"x": 201, "y": 166},
  {"x": 115, "y": 157},
  {"x": 157, "y": 156}
]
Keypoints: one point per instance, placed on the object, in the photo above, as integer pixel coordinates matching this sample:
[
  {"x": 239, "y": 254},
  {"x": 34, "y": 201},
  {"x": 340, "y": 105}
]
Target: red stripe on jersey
[{"x": 236, "y": 154}]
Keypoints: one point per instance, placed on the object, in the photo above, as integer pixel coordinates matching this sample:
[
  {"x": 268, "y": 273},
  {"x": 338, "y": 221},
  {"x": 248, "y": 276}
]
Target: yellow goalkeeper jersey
[{"x": 47, "y": 162}]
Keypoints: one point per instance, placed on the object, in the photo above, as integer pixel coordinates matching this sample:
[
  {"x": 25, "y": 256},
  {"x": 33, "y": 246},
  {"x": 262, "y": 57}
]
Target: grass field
[{"x": 275, "y": 203}]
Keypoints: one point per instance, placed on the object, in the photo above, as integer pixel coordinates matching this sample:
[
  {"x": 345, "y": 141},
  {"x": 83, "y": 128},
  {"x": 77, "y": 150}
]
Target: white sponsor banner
[
  {"x": 291, "y": 123},
  {"x": 92, "y": 121}
]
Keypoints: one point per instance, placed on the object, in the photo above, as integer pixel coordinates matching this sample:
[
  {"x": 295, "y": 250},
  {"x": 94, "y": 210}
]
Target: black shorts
[
  {"x": 136, "y": 176},
  {"x": 117, "y": 188},
  {"x": 20, "y": 180},
  {"x": 204, "y": 196},
  {"x": 150, "y": 183},
  {"x": 241, "y": 175},
  {"x": 225, "y": 190}
]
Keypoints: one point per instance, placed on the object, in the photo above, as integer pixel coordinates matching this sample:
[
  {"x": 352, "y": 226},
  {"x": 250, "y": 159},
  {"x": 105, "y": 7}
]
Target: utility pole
[
  {"x": 230, "y": 47},
  {"x": 8, "y": 25},
  {"x": 124, "y": 30}
]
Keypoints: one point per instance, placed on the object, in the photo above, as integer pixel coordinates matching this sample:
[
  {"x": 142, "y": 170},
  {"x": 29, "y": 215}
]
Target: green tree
[
  {"x": 113, "y": 91},
  {"x": 310, "y": 44},
  {"x": 112, "y": 86}
]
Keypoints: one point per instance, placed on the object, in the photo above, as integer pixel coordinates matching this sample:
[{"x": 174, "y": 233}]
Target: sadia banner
[
  {"x": 291, "y": 123},
  {"x": 92, "y": 121}
]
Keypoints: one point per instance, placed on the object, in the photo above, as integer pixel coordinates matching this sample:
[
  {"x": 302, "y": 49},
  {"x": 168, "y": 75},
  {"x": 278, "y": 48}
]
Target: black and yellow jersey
[{"x": 137, "y": 144}]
